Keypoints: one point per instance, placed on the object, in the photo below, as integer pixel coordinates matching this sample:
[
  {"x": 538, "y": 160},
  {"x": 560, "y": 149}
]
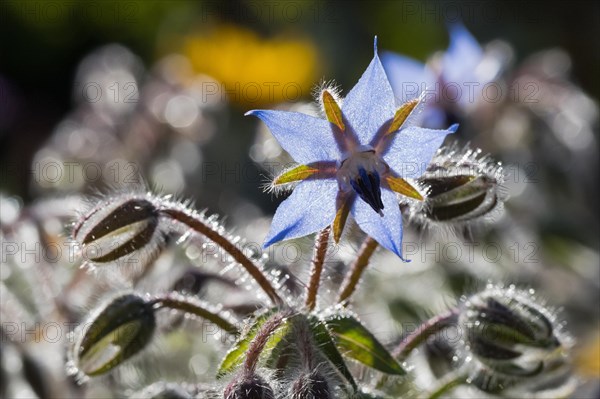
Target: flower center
[{"x": 361, "y": 171}]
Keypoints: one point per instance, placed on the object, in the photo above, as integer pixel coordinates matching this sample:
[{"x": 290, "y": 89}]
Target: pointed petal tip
[
  {"x": 252, "y": 112},
  {"x": 459, "y": 34},
  {"x": 453, "y": 25},
  {"x": 271, "y": 238},
  {"x": 398, "y": 252},
  {"x": 375, "y": 46},
  {"x": 453, "y": 128},
  {"x": 458, "y": 30},
  {"x": 268, "y": 242}
]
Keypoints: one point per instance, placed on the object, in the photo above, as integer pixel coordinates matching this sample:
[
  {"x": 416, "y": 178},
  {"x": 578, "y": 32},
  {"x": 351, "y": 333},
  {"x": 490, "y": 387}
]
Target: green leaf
[
  {"x": 277, "y": 342},
  {"x": 326, "y": 345},
  {"x": 356, "y": 342},
  {"x": 237, "y": 353},
  {"x": 282, "y": 346}
]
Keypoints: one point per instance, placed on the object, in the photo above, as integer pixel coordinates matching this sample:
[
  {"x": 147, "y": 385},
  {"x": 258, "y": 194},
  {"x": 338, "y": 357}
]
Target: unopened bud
[
  {"x": 458, "y": 198},
  {"x": 461, "y": 186},
  {"x": 510, "y": 335},
  {"x": 119, "y": 330},
  {"x": 249, "y": 387},
  {"x": 310, "y": 386},
  {"x": 116, "y": 228}
]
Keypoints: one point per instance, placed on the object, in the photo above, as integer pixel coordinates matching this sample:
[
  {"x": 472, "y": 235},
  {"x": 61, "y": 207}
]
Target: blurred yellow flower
[
  {"x": 254, "y": 71},
  {"x": 588, "y": 357}
]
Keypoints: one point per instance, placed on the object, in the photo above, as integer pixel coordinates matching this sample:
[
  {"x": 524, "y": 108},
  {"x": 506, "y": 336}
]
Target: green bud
[
  {"x": 119, "y": 330},
  {"x": 461, "y": 187},
  {"x": 457, "y": 198},
  {"x": 509, "y": 336},
  {"x": 117, "y": 228}
]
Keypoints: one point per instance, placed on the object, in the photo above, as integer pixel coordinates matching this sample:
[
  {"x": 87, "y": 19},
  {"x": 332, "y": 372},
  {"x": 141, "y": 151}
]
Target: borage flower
[
  {"x": 454, "y": 82},
  {"x": 355, "y": 162}
]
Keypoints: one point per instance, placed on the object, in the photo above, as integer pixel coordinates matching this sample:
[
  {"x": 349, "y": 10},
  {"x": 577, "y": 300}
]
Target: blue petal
[
  {"x": 413, "y": 148},
  {"x": 408, "y": 77},
  {"x": 433, "y": 116},
  {"x": 306, "y": 138},
  {"x": 462, "y": 58},
  {"x": 311, "y": 207},
  {"x": 386, "y": 230},
  {"x": 370, "y": 103}
]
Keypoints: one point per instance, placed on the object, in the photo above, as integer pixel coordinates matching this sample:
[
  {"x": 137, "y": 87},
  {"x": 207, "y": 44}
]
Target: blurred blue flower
[
  {"x": 353, "y": 162},
  {"x": 452, "y": 84}
]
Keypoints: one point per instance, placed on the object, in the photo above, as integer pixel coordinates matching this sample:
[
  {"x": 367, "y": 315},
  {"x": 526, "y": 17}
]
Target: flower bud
[
  {"x": 249, "y": 387},
  {"x": 461, "y": 188},
  {"x": 117, "y": 228},
  {"x": 119, "y": 330},
  {"x": 509, "y": 337},
  {"x": 458, "y": 198},
  {"x": 310, "y": 386}
]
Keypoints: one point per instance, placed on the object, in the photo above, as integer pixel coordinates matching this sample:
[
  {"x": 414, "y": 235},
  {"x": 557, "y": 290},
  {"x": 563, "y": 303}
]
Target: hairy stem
[
  {"x": 258, "y": 344},
  {"x": 194, "y": 307},
  {"x": 416, "y": 338},
  {"x": 194, "y": 222},
  {"x": 319, "y": 253},
  {"x": 356, "y": 270},
  {"x": 425, "y": 330}
]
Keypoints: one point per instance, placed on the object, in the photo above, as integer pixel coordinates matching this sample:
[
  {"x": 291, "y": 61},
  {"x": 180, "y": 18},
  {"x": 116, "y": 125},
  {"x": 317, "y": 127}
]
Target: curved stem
[
  {"x": 425, "y": 330},
  {"x": 258, "y": 344},
  {"x": 319, "y": 253},
  {"x": 194, "y": 222},
  {"x": 448, "y": 383},
  {"x": 196, "y": 308},
  {"x": 356, "y": 270},
  {"x": 416, "y": 338}
]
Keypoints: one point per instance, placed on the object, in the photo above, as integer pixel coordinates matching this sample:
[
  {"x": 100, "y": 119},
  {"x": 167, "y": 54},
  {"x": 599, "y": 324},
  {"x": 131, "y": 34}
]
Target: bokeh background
[
  {"x": 100, "y": 94},
  {"x": 299, "y": 42}
]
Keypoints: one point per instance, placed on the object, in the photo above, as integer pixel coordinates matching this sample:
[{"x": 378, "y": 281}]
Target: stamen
[{"x": 368, "y": 186}]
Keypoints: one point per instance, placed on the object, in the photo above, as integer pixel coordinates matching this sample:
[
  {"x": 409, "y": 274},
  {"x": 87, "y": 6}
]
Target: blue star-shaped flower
[
  {"x": 353, "y": 162},
  {"x": 455, "y": 82}
]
